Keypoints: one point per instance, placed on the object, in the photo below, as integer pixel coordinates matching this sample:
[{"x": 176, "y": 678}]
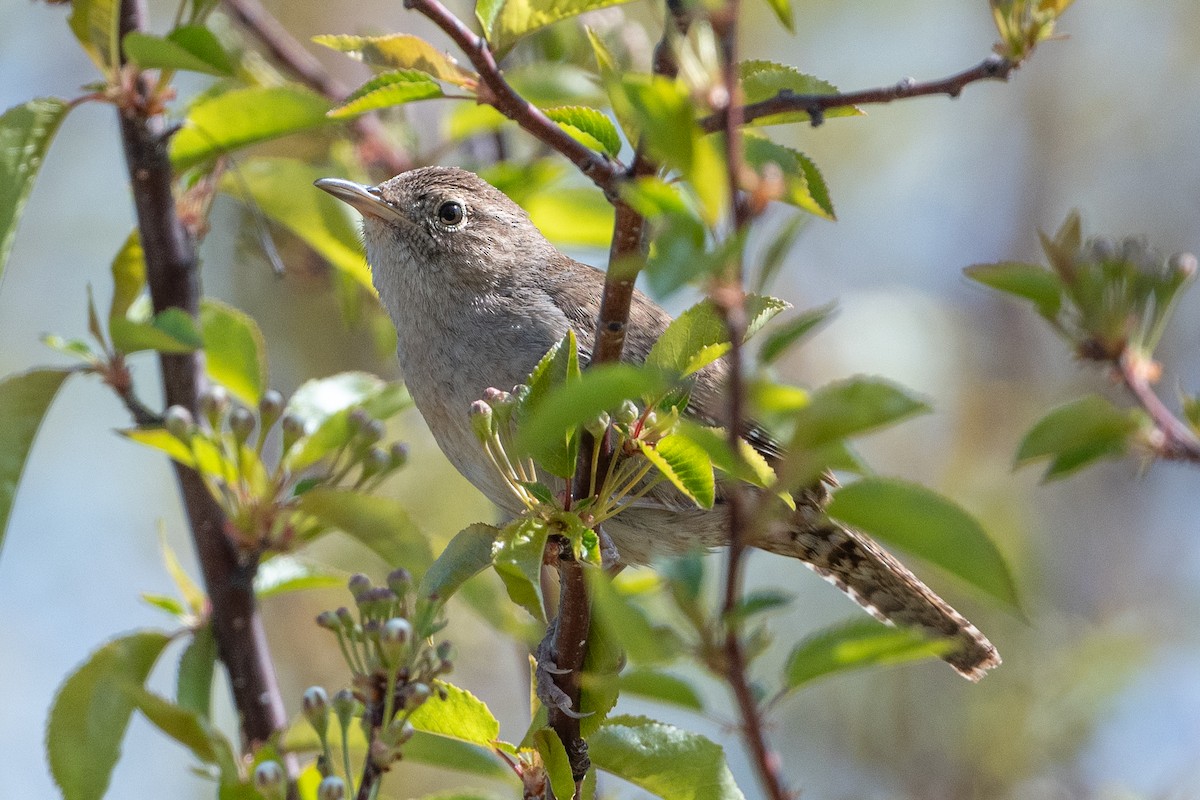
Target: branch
[
  {"x": 815, "y": 105},
  {"x": 173, "y": 277},
  {"x": 366, "y": 130},
  {"x": 1176, "y": 441}
]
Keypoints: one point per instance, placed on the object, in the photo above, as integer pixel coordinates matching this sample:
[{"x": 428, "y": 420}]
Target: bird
[{"x": 478, "y": 295}]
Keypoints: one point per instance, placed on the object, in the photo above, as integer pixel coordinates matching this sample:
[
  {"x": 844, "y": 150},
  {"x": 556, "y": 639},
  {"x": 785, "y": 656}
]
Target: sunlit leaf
[
  {"x": 282, "y": 574},
  {"x": 699, "y": 336},
  {"x": 1031, "y": 282},
  {"x": 129, "y": 275},
  {"x": 461, "y": 715},
  {"x": 320, "y": 398},
  {"x": 763, "y": 80},
  {"x": 234, "y": 351},
  {"x": 187, "y": 727},
  {"x": 1077, "y": 434},
  {"x": 25, "y": 134},
  {"x": 517, "y": 559},
  {"x": 388, "y": 89},
  {"x": 92, "y": 710},
  {"x": 928, "y": 525},
  {"x": 24, "y": 400},
  {"x": 439, "y": 751},
  {"x": 328, "y": 433},
  {"x": 855, "y": 645},
  {"x": 190, "y": 47},
  {"x": 804, "y": 186},
  {"x": 378, "y": 522},
  {"x": 162, "y": 440},
  {"x": 783, "y": 11},
  {"x": 685, "y": 465},
  {"x": 664, "y": 760},
  {"x": 850, "y": 408},
  {"x": 578, "y": 217},
  {"x": 95, "y": 25},
  {"x": 465, "y": 556},
  {"x": 628, "y": 625},
  {"x": 400, "y": 51},
  {"x": 193, "y": 682},
  {"x": 663, "y": 687},
  {"x": 171, "y": 330},
  {"x": 785, "y": 335},
  {"x": 554, "y": 758},
  {"x": 589, "y": 126},
  {"x": 504, "y": 22},
  {"x": 240, "y": 117}
]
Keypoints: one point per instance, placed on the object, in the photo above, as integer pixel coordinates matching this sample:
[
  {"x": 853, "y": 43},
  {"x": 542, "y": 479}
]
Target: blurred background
[{"x": 1099, "y": 696}]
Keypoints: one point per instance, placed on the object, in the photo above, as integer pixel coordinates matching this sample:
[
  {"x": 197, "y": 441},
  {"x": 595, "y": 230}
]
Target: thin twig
[
  {"x": 374, "y": 147},
  {"x": 730, "y": 298},
  {"x": 993, "y": 67},
  {"x": 172, "y": 272},
  {"x": 1177, "y": 441}
]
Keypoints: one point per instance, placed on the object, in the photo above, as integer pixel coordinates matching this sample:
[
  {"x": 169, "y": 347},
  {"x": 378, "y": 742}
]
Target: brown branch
[
  {"x": 173, "y": 276},
  {"x": 815, "y": 105},
  {"x": 367, "y": 131},
  {"x": 730, "y": 298},
  {"x": 1176, "y": 440},
  {"x": 496, "y": 92}
]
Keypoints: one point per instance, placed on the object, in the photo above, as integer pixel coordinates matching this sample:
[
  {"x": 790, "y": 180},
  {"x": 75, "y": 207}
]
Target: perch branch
[{"x": 1175, "y": 439}]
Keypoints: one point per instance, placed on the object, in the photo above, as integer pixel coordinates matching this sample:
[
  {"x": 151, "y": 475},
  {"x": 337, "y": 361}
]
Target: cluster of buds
[
  {"x": 225, "y": 445},
  {"x": 494, "y": 420},
  {"x": 1120, "y": 293},
  {"x": 386, "y": 642}
]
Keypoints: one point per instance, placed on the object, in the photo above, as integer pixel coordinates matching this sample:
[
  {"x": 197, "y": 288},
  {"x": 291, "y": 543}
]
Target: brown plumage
[{"x": 478, "y": 295}]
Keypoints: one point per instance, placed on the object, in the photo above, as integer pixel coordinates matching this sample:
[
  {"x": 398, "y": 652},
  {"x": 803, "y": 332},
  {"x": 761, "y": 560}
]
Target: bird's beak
[{"x": 366, "y": 199}]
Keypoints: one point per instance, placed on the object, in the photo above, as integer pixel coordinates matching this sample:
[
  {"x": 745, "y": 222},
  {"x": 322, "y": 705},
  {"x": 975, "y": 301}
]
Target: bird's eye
[{"x": 450, "y": 213}]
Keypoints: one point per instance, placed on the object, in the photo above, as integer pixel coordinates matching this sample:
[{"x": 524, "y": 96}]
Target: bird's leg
[{"x": 544, "y": 686}]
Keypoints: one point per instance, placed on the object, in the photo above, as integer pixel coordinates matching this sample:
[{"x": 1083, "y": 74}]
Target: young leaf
[
  {"x": 186, "y": 727},
  {"x": 627, "y": 624},
  {"x": 928, "y": 525},
  {"x": 763, "y": 80},
  {"x": 282, "y": 574},
  {"x": 664, "y": 760},
  {"x": 554, "y": 758},
  {"x": 804, "y": 186},
  {"x": 783, "y": 11},
  {"x": 388, "y": 89},
  {"x": 25, "y": 134},
  {"x": 589, "y": 126},
  {"x": 663, "y": 687},
  {"x": 439, "y": 751},
  {"x": 517, "y": 559},
  {"x": 95, "y": 25},
  {"x": 193, "y": 683},
  {"x": 465, "y": 556},
  {"x": 92, "y": 710},
  {"x": 787, "y": 334},
  {"x": 171, "y": 330},
  {"x": 854, "y": 645},
  {"x": 160, "y": 439},
  {"x": 190, "y": 47},
  {"x": 572, "y": 217},
  {"x": 129, "y": 275},
  {"x": 699, "y": 336},
  {"x": 24, "y": 400},
  {"x": 234, "y": 351},
  {"x": 401, "y": 51},
  {"x": 850, "y": 408},
  {"x": 318, "y": 399},
  {"x": 686, "y": 465},
  {"x": 1031, "y": 282},
  {"x": 1078, "y": 433},
  {"x": 378, "y": 522},
  {"x": 505, "y": 22},
  {"x": 461, "y": 715},
  {"x": 240, "y": 117}
]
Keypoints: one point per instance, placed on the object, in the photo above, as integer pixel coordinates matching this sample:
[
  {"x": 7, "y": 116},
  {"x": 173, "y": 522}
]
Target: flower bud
[
  {"x": 481, "y": 420},
  {"x": 375, "y": 462},
  {"x": 293, "y": 429},
  {"x": 316, "y": 709},
  {"x": 270, "y": 781},
  {"x": 178, "y": 422},
  {"x": 270, "y": 407},
  {"x": 358, "y": 584},
  {"x": 372, "y": 432},
  {"x": 328, "y": 620},
  {"x": 1182, "y": 264},
  {"x": 627, "y": 413},
  {"x": 415, "y": 694},
  {"x": 398, "y": 453},
  {"x": 399, "y": 581},
  {"x": 393, "y": 639},
  {"x": 398, "y": 732},
  {"x": 331, "y": 788},
  {"x": 358, "y": 420},
  {"x": 597, "y": 426},
  {"x": 344, "y": 707},
  {"x": 213, "y": 404},
  {"x": 241, "y": 424}
]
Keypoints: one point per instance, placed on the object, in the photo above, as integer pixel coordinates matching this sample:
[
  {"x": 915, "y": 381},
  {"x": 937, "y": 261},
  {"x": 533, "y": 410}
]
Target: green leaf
[
  {"x": 234, "y": 351},
  {"x": 663, "y": 687},
  {"x": 92, "y": 710},
  {"x": 461, "y": 716},
  {"x": 763, "y": 80},
  {"x": 554, "y": 757},
  {"x": 193, "y": 683},
  {"x": 282, "y": 189},
  {"x": 328, "y": 433},
  {"x": 401, "y": 51},
  {"x": 128, "y": 274},
  {"x": 1078, "y": 433},
  {"x": 386, "y": 90},
  {"x": 186, "y": 727},
  {"x": 804, "y": 186},
  {"x": 686, "y": 465},
  {"x": 320, "y": 398},
  {"x": 24, "y": 400},
  {"x": 193, "y": 596},
  {"x": 928, "y": 525},
  {"x": 191, "y": 47},
  {"x": 465, "y": 556},
  {"x": 25, "y": 134},
  {"x": 788, "y": 333},
  {"x": 569, "y": 405},
  {"x": 854, "y": 645},
  {"x": 438, "y": 751},
  {"x": 160, "y": 439},
  {"x": 627, "y": 624},
  {"x": 171, "y": 330},
  {"x": 850, "y": 408},
  {"x": 572, "y": 217},
  {"x": 504, "y": 22},
  {"x": 95, "y": 25},
  {"x": 241, "y": 117},
  {"x": 783, "y": 10},
  {"x": 664, "y": 760},
  {"x": 378, "y": 522},
  {"x": 560, "y": 364},
  {"x": 282, "y": 574},
  {"x": 699, "y": 336},
  {"x": 589, "y": 126},
  {"x": 1031, "y": 282},
  {"x": 517, "y": 558},
  {"x": 759, "y": 602}
]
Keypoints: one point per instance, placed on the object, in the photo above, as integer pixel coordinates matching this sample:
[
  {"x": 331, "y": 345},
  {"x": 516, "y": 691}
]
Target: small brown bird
[{"x": 478, "y": 295}]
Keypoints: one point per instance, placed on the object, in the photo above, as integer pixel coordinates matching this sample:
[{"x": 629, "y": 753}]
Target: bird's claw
[{"x": 547, "y": 691}]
